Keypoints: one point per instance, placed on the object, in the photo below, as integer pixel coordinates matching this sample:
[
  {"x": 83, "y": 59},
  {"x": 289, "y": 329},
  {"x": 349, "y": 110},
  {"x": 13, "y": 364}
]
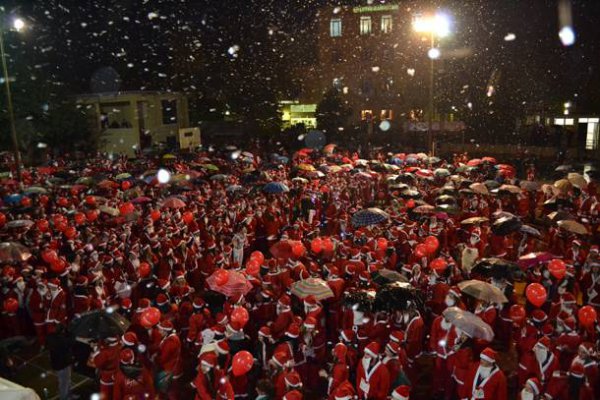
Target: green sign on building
[{"x": 377, "y": 8}]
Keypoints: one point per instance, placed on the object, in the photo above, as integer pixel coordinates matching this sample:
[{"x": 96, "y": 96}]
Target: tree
[{"x": 332, "y": 113}]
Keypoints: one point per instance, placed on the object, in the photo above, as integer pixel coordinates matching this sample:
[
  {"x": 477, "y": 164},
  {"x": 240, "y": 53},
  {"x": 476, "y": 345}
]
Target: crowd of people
[{"x": 252, "y": 276}]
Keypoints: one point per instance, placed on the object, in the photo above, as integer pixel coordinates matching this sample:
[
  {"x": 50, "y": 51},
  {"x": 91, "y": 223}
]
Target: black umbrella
[
  {"x": 506, "y": 225},
  {"x": 398, "y": 296},
  {"x": 491, "y": 184},
  {"x": 556, "y": 203},
  {"x": 360, "y": 300},
  {"x": 496, "y": 268},
  {"x": 530, "y": 230},
  {"x": 99, "y": 324},
  {"x": 448, "y": 208},
  {"x": 385, "y": 276}
]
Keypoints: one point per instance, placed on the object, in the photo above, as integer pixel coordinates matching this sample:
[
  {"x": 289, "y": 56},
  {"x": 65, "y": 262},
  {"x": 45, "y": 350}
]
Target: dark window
[{"x": 169, "y": 112}]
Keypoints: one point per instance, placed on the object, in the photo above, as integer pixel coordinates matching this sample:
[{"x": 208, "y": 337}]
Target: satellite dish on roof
[{"x": 315, "y": 139}]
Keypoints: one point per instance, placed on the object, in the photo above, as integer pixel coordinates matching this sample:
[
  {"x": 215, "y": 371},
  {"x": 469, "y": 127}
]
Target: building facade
[{"x": 132, "y": 121}]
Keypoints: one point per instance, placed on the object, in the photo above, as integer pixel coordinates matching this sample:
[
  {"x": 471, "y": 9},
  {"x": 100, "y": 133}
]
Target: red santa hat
[
  {"x": 221, "y": 319},
  {"x": 402, "y": 392},
  {"x": 344, "y": 391},
  {"x": 577, "y": 370},
  {"x": 81, "y": 280},
  {"x": 126, "y": 357},
  {"x": 165, "y": 325},
  {"x": 126, "y": 303},
  {"x": 310, "y": 323},
  {"x": 594, "y": 248},
  {"x": 293, "y": 395},
  {"x": 455, "y": 291},
  {"x": 208, "y": 359},
  {"x": 576, "y": 243},
  {"x": 219, "y": 330},
  {"x": 235, "y": 326},
  {"x": 567, "y": 298},
  {"x": 284, "y": 301},
  {"x": 340, "y": 351},
  {"x": 310, "y": 301},
  {"x": 393, "y": 347},
  {"x": 545, "y": 342},
  {"x": 53, "y": 283},
  {"x": 347, "y": 335},
  {"x": 570, "y": 323},
  {"x": 488, "y": 355},
  {"x": 534, "y": 385},
  {"x": 179, "y": 275},
  {"x": 397, "y": 336},
  {"x": 280, "y": 359},
  {"x": 163, "y": 284},
  {"x": 265, "y": 331},
  {"x": 222, "y": 347},
  {"x": 293, "y": 331},
  {"x": 143, "y": 304},
  {"x": 364, "y": 276},
  {"x": 129, "y": 339},
  {"x": 161, "y": 299},
  {"x": 538, "y": 315},
  {"x": 586, "y": 347},
  {"x": 372, "y": 349},
  {"x": 292, "y": 380},
  {"x": 199, "y": 303}
]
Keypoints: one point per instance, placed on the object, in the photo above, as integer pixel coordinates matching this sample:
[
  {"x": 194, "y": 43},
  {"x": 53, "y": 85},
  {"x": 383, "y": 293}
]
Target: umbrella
[
  {"x": 306, "y": 167},
  {"x": 448, "y": 208},
  {"x": 556, "y": 216},
  {"x": 510, "y": 189},
  {"x": 124, "y": 175},
  {"x": 573, "y": 227},
  {"x": 398, "y": 296},
  {"x": 531, "y": 259},
  {"x": 530, "y": 230},
  {"x": 491, "y": 184},
  {"x": 506, "y": 225},
  {"x": 329, "y": 149},
  {"x": 99, "y": 324},
  {"x": 300, "y": 180},
  {"x": 283, "y": 248},
  {"x": 563, "y": 168},
  {"x": 577, "y": 180},
  {"x": 441, "y": 172},
  {"x": 19, "y": 223},
  {"x": 479, "y": 188},
  {"x": 445, "y": 199},
  {"x": 236, "y": 285},
  {"x": 424, "y": 209},
  {"x": 496, "y": 268},
  {"x": 474, "y": 220},
  {"x": 469, "y": 323},
  {"x": 483, "y": 291},
  {"x": 85, "y": 180},
  {"x": 141, "y": 200},
  {"x": 312, "y": 286},
  {"x": 385, "y": 276},
  {"x": 529, "y": 185},
  {"x": 35, "y": 190},
  {"x": 234, "y": 188},
  {"x": 210, "y": 167},
  {"x": 275, "y": 188},
  {"x": 563, "y": 185},
  {"x": 369, "y": 216},
  {"x": 12, "y": 199},
  {"x": 410, "y": 194},
  {"x": 173, "y": 202},
  {"x": 219, "y": 177},
  {"x": 109, "y": 210},
  {"x": 13, "y": 252},
  {"x": 555, "y": 203}
]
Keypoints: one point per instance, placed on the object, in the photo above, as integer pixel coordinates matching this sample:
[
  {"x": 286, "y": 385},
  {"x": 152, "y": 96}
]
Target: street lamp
[
  {"x": 18, "y": 24},
  {"x": 437, "y": 25}
]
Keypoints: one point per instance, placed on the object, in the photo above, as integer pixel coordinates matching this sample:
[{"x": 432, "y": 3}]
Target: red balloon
[
  {"x": 242, "y": 363},
  {"x": 144, "y": 270},
  {"x": 125, "y": 185},
  {"x": 188, "y": 217},
  {"x": 91, "y": 215},
  {"x": 536, "y": 294},
  {"x": 62, "y": 201},
  {"x": 60, "y": 225},
  {"x": 420, "y": 251},
  {"x": 382, "y": 244},
  {"x": 2, "y": 219},
  {"x": 70, "y": 232},
  {"x": 432, "y": 244},
  {"x": 90, "y": 200},
  {"x": 25, "y": 201},
  {"x": 221, "y": 277},
  {"x": 557, "y": 268},
  {"x": 11, "y": 305},
  {"x": 327, "y": 245},
  {"x": 517, "y": 313},
  {"x": 410, "y": 204},
  {"x": 258, "y": 256},
  {"x": 126, "y": 208},
  {"x": 439, "y": 265},
  {"x": 74, "y": 191},
  {"x": 316, "y": 245},
  {"x": 43, "y": 199},
  {"x": 59, "y": 266},
  {"x": 79, "y": 218},
  {"x": 43, "y": 225},
  {"x": 150, "y": 317},
  {"x": 298, "y": 249},
  {"x": 253, "y": 267},
  {"x": 587, "y": 316},
  {"x": 49, "y": 256},
  {"x": 240, "y": 315},
  {"x": 155, "y": 215}
]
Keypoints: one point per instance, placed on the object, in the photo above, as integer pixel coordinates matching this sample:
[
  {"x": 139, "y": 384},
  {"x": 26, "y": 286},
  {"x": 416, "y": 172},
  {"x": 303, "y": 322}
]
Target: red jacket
[
  {"x": 169, "y": 354},
  {"x": 373, "y": 384},
  {"x": 133, "y": 388},
  {"x": 57, "y": 313},
  {"x": 415, "y": 331},
  {"x": 530, "y": 367},
  {"x": 38, "y": 307},
  {"x": 491, "y": 388},
  {"x": 106, "y": 360}
]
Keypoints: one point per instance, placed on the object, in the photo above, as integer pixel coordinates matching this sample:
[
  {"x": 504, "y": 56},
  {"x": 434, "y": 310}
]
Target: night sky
[{"x": 230, "y": 54}]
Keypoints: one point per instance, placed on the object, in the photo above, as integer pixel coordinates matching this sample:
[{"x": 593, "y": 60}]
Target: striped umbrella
[
  {"x": 236, "y": 285},
  {"x": 369, "y": 216},
  {"x": 312, "y": 286}
]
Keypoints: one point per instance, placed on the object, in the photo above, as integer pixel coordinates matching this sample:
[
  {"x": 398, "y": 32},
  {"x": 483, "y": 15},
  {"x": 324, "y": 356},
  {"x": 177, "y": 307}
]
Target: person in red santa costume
[
  {"x": 484, "y": 380},
  {"x": 531, "y": 390},
  {"x": 372, "y": 377},
  {"x": 539, "y": 363},
  {"x": 57, "y": 310},
  {"x": 441, "y": 341},
  {"x": 204, "y": 383},
  {"x": 168, "y": 359},
  {"x": 339, "y": 372},
  {"x": 105, "y": 358},
  {"x": 39, "y": 304},
  {"x": 402, "y": 392},
  {"x": 133, "y": 380},
  {"x": 284, "y": 317},
  {"x": 571, "y": 386}
]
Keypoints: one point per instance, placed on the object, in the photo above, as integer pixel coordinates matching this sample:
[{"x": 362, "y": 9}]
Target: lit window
[
  {"x": 591, "y": 138},
  {"x": 366, "y": 114},
  {"x": 386, "y": 114},
  {"x": 386, "y": 23},
  {"x": 335, "y": 27},
  {"x": 365, "y": 25},
  {"x": 583, "y": 120},
  {"x": 593, "y": 119},
  {"x": 559, "y": 121},
  {"x": 569, "y": 121}
]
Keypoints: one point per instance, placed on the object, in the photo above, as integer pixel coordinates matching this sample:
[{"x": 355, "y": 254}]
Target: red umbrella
[
  {"x": 531, "y": 259},
  {"x": 474, "y": 162},
  {"x": 173, "y": 202},
  {"x": 236, "y": 284}
]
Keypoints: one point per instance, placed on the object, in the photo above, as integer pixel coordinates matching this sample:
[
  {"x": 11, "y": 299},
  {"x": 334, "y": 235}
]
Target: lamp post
[
  {"x": 437, "y": 25},
  {"x": 18, "y": 24}
]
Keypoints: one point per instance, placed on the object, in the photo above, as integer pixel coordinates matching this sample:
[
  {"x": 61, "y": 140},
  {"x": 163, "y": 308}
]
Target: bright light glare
[
  {"x": 384, "y": 125},
  {"x": 438, "y": 24},
  {"x": 510, "y": 37},
  {"x": 567, "y": 35},
  {"x": 18, "y": 24},
  {"x": 433, "y": 53},
  {"x": 163, "y": 176}
]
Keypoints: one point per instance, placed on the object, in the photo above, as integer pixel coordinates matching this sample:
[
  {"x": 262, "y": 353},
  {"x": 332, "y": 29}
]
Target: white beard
[
  {"x": 445, "y": 325},
  {"x": 484, "y": 372},
  {"x": 526, "y": 395}
]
